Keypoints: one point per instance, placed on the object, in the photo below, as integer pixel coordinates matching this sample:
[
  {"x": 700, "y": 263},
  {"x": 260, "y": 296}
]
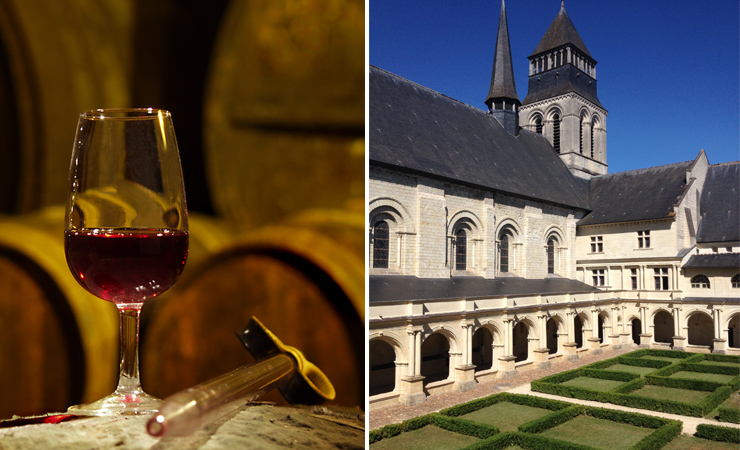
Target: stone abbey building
[{"x": 499, "y": 242}]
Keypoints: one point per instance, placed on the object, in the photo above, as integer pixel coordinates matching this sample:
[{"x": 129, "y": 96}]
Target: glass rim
[{"x": 124, "y": 113}]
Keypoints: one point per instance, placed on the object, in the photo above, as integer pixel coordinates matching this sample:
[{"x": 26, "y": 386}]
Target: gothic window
[
  {"x": 661, "y": 278},
  {"x": 597, "y": 244},
  {"x": 556, "y": 132},
  {"x": 461, "y": 250},
  {"x": 381, "y": 241},
  {"x": 700, "y": 282},
  {"x": 504, "y": 253},
  {"x": 551, "y": 255},
  {"x": 643, "y": 239},
  {"x": 736, "y": 281}
]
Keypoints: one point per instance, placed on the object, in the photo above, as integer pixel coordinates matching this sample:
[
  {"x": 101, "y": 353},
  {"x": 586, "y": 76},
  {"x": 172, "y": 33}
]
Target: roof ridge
[
  {"x": 729, "y": 163},
  {"x": 426, "y": 88},
  {"x": 646, "y": 169}
]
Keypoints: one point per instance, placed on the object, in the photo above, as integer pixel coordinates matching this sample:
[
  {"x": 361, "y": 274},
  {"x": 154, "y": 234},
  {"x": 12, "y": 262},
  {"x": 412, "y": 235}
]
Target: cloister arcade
[{"x": 412, "y": 359}]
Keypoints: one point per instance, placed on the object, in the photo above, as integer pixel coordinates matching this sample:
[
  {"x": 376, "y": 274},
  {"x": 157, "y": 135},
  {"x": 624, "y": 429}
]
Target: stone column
[
  {"x": 464, "y": 374},
  {"x": 412, "y": 385},
  {"x": 508, "y": 369},
  {"x": 569, "y": 347},
  {"x": 614, "y": 335},
  {"x": 594, "y": 339},
  {"x": 679, "y": 341},
  {"x": 720, "y": 344},
  {"x": 645, "y": 337},
  {"x": 541, "y": 354}
]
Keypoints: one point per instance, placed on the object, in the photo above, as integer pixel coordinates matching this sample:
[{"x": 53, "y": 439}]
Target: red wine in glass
[{"x": 126, "y": 265}]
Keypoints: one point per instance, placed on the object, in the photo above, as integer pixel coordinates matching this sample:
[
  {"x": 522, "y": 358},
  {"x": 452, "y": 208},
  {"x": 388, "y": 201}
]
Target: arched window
[
  {"x": 700, "y": 282},
  {"x": 580, "y": 135},
  {"x": 381, "y": 241},
  {"x": 556, "y": 132},
  {"x": 593, "y": 145},
  {"x": 736, "y": 280},
  {"x": 538, "y": 124},
  {"x": 504, "y": 253},
  {"x": 551, "y": 255},
  {"x": 461, "y": 250}
]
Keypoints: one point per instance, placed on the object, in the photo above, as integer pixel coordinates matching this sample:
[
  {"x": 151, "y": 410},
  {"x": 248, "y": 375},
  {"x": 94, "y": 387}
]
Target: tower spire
[{"x": 502, "y": 94}]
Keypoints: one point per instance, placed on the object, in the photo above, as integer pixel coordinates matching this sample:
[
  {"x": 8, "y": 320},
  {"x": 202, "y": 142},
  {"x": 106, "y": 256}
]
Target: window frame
[
  {"x": 643, "y": 239},
  {"x": 597, "y": 244},
  {"x": 598, "y": 277},
  {"x": 461, "y": 265},
  {"x": 387, "y": 248},
  {"x": 735, "y": 281},
  {"x": 661, "y": 278},
  {"x": 700, "y": 281}
]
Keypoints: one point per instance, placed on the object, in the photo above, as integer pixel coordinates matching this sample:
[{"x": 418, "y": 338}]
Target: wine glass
[{"x": 126, "y": 228}]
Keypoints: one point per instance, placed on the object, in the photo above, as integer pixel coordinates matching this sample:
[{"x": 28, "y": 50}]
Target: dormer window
[{"x": 700, "y": 282}]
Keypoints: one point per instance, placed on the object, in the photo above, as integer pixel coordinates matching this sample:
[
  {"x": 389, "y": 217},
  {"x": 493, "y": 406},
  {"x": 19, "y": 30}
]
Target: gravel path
[{"x": 520, "y": 385}]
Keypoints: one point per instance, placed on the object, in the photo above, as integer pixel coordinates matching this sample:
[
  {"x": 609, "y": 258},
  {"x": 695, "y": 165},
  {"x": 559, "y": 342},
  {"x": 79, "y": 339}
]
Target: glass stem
[{"x": 128, "y": 381}]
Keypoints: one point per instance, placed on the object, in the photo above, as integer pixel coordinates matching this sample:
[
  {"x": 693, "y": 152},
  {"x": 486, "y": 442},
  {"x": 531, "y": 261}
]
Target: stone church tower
[
  {"x": 562, "y": 103},
  {"x": 503, "y": 102}
]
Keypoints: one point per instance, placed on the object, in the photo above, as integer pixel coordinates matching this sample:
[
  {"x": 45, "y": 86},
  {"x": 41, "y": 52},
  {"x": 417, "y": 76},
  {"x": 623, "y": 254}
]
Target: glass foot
[{"x": 119, "y": 404}]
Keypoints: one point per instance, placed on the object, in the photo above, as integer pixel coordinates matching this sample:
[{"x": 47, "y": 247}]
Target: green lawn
[
  {"x": 598, "y": 433},
  {"x": 631, "y": 369},
  {"x": 430, "y": 437},
  {"x": 683, "y": 442},
  {"x": 593, "y": 383},
  {"x": 719, "y": 378},
  {"x": 718, "y": 363},
  {"x": 666, "y": 393},
  {"x": 506, "y": 416}
]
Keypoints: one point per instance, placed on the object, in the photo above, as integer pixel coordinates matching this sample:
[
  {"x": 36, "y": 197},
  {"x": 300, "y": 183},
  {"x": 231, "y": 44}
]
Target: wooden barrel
[
  {"x": 58, "y": 343},
  {"x": 304, "y": 280},
  {"x": 284, "y": 112}
]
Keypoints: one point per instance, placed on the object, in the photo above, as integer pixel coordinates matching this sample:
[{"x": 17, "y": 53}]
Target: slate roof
[
  {"x": 385, "y": 288},
  {"x": 559, "y": 81},
  {"x": 421, "y": 131},
  {"x": 714, "y": 261},
  {"x": 644, "y": 194},
  {"x": 720, "y": 205},
  {"x": 502, "y": 77},
  {"x": 561, "y": 32}
]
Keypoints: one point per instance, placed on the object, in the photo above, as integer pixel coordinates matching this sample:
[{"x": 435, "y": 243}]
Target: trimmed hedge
[
  {"x": 706, "y": 368},
  {"x": 718, "y": 433},
  {"x": 731, "y": 415},
  {"x": 684, "y": 383},
  {"x": 642, "y": 362},
  {"x": 552, "y": 420},
  {"x": 609, "y": 375},
  {"x": 527, "y": 400},
  {"x": 722, "y": 358},
  {"x": 668, "y": 353},
  {"x": 456, "y": 425},
  {"x": 529, "y": 441}
]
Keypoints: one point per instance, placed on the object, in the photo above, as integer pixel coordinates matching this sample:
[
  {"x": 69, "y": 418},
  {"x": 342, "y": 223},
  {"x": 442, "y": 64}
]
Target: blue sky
[{"x": 668, "y": 71}]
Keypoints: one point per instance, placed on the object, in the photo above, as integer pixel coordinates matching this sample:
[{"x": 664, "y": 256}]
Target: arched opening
[
  {"x": 578, "y": 331},
  {"x": 435, "y": 358},
  {"x": 556, "y": 132},
  {"x": 636, "y": 330},
  {"x": 381, "y": 244},
  {"x": 503, "y": 251},
  {"x": 701, "y": 329},
  {"x": 592, "y": 138},
  {"x": 580, "y": 134},
  {"x": 733, "y": 332},
  {"x": 552, "y": 335},
  {"x": 461, "y": 250},
  {"x": 382, "y": 367},
  {"x": 520, "y": 342},
  {"x": 482, "y": 348},
  {"x": 538, "y": 124},
  {"x": 601, "y": 321},
  {"x": 735, "y": 281},
  {"x": 663, "y": 332}
]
